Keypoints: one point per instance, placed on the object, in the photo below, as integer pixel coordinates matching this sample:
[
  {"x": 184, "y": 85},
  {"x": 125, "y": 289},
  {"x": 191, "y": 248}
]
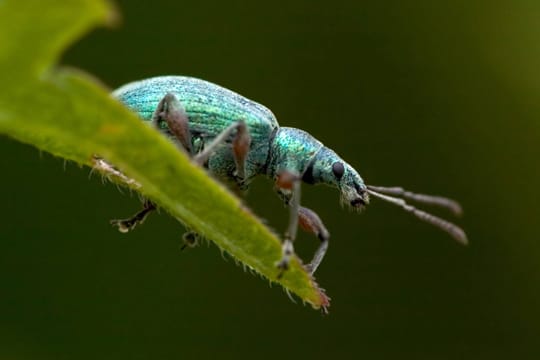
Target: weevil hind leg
[
  {"x": 126, "y": 225},
  {"x": 171, "y": 111}
]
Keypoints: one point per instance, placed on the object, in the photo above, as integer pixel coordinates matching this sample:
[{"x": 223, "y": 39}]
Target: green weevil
[{"x": 237, "y": 139}]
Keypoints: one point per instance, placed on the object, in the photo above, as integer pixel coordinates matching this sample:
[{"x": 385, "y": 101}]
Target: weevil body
[
  {"x": 237, "y": 139},
  {"x": 211, "y": 109}
]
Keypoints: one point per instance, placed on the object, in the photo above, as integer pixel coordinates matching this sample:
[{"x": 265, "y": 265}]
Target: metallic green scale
[{"x": 210, "y": 109}]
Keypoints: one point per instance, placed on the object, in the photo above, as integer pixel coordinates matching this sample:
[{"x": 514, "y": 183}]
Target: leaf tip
[{"x": 323, "y": 302}]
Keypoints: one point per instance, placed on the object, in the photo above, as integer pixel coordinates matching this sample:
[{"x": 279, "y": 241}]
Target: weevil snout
[
  {"x": 363, "y": 197},
  {"x": 354, "y": 192},
  {"x": 358, "y": 203}
]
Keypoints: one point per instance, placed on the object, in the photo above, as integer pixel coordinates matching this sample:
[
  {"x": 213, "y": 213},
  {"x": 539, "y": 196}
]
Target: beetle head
[
  {"x": 328, "y": 168},
  {"x": 295, "y": 151}
]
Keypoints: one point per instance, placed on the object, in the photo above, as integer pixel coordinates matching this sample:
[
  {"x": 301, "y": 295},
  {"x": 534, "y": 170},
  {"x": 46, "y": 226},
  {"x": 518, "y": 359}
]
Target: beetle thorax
[
  {"x": 291, "y": 150},
  {"x": 296, "y": 151}
]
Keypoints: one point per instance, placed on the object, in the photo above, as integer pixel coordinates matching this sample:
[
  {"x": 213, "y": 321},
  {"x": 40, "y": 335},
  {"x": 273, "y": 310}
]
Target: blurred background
[{"x": 437, "y": 96}]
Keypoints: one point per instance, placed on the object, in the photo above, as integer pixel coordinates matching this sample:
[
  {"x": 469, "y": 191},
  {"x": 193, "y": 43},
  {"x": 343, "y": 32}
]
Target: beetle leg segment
[
  {"x": 291, "y": 183},
  {"x": 191, "y": 239},
  {"x": 240, "y": 147},
  {"x": 173, "y": 113},
  {"x": 288, "y": 251},
  {"x": 125, "y": 225},
  {"x": 310, "y": 222},
  {"x": 288, "y": 186}
]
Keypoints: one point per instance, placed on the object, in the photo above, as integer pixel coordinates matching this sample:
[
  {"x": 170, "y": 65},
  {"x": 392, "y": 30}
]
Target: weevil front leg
[
  {"x": 311, "y": 223},
  {"x": 288, "y": 186},
  {"x": 124, "y": 225}
]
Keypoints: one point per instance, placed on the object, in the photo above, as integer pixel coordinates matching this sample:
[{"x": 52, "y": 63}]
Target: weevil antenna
[
  {"x": 453, "y": 230},
  {"x": 440, "y": 201}
]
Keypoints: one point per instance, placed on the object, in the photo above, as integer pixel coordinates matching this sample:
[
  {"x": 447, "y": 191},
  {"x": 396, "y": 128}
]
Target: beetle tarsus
[
  {"x": 288, "y": 252},
  {"x": 190, "y": 239},
  {"x": 126, "y": 225}
]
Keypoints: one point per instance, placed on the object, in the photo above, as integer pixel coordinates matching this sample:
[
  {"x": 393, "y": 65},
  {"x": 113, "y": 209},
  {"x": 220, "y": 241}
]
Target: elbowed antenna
[
  {"x": 453, "y": 230},
  {"x": 446, "y": 203}
]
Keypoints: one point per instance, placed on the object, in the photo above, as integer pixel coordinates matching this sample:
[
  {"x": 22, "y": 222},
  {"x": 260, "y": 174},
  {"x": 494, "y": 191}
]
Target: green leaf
[{"x": 69, "y": 114}]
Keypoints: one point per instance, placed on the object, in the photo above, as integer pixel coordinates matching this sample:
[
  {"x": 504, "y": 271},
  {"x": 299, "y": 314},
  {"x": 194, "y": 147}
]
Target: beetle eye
[{"x": 338, "y": 169}]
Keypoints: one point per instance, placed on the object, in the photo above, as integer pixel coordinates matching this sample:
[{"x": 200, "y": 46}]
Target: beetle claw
[
  {"x": 288, "y": 252},
  {"x": 309, "y": 268},
  {"x": 124, "y": 225},
  {"x": 191, "y": 240},
  {"x": 282, "y": 265}
]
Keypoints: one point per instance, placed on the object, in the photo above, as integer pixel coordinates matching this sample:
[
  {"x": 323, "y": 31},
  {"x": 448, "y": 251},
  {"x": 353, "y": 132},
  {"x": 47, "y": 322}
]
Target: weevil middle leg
[
  {"x": 240, "y": 147},
  {"x": 171, "y": 111}
]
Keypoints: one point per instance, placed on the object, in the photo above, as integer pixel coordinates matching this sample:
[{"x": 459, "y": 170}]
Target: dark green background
[{"x": 437, "y": 96}]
